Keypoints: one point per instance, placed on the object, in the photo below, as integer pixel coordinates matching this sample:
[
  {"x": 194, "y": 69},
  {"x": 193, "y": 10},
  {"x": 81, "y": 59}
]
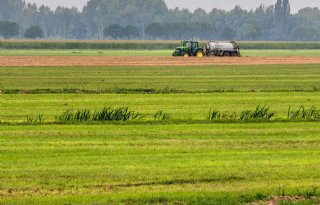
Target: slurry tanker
[{"x": 213, "y": 48}]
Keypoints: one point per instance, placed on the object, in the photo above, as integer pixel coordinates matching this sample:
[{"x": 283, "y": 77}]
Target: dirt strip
[{"x": 148, "y": 61}]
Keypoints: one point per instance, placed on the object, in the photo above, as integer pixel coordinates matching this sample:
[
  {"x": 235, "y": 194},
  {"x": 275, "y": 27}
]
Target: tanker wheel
[
  {"x": 226, "y": 54},
  {"x": 234, "y": 54},
  {"x": 199, "y": 54},
  {"x": 186, "y": 55}
]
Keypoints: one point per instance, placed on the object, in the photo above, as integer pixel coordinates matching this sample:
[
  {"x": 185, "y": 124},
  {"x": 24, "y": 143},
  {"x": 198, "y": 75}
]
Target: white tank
[{"x": 213, "y": 45}]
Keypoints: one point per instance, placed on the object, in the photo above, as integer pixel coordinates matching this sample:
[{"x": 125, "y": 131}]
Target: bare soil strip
[{"x": 148, "y": 61}]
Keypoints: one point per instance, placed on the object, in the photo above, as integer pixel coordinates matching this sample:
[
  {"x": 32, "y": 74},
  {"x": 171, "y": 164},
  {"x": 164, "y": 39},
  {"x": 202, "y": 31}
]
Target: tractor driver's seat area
[{"x": 191, "y": 45}]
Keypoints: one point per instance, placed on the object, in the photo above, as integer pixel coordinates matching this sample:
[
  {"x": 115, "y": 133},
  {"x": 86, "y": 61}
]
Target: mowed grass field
[
  {"x": 181, "y": 107},
  {"x": 101, "y": 52},
  {"x": 159, "y": 164},
  {"x": 148, "y": 79},
  {"x": 183, "y": 160}
]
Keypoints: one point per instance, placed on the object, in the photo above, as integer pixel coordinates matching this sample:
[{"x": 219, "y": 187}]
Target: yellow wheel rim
[
  {"x": 185, "y": 55},
  {"x": 199, "y": 54}
]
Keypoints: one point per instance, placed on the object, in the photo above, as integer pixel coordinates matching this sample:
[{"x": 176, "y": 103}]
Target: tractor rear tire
[{"x": 199, "y": 54}]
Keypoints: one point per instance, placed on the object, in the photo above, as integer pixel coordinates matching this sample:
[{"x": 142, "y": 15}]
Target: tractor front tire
[{"x": 186, "y": 55}]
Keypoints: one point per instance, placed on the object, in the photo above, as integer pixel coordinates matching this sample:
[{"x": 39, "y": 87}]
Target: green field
[
  {"x": 190, "y": 163},
  {"x": 104, "y": 52},
  {"x": 16, "y": 108},
  {"x": 186, "y": 159},
  {"x": 172, "y": 79}
]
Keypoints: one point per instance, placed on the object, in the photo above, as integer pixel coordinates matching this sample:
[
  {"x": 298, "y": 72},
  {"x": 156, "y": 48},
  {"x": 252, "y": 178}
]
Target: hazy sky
[{"x": 192, "y": 4}]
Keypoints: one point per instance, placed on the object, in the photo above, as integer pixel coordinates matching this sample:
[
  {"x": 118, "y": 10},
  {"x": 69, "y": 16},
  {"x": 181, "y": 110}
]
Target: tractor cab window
[{"x": 188, "y": 44}]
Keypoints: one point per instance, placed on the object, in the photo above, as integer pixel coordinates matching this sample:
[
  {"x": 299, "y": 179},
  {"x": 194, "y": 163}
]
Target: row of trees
[
  {"x": 10, "y": 29},
  {"x": 151, "y": 19}
]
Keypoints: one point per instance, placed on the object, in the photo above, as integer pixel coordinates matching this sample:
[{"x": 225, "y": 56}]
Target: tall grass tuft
[
  {"x": 105, "y": 114},
  {"x": 117, "y": 114},
  {"x": 214, "y": 115},
  {"x": 312, "y": 113},
  {"x": 33, "y": 120},
  {"x": 160, "y": 116},
  {"x": 260, "y": 113},
  {"x": 82, "y": 115},
  {"x": 217, "y": 115},
  {"x": 78, "y": 116}
]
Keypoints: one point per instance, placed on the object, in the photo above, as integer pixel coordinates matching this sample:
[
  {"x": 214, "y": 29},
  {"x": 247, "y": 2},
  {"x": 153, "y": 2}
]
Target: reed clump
[
  {"x": 34, "y": 120},
  {"x": 259, "y": 113},
  {"x": 303, "y": 113},
  {"x": 161, "y": 116},
  {"x": 105, "y": 114}
]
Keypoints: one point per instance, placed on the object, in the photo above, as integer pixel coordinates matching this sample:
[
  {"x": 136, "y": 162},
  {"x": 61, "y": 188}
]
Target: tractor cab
[
  {"x": 189, "y": 48},
  {"x": 191, "y": 45}
]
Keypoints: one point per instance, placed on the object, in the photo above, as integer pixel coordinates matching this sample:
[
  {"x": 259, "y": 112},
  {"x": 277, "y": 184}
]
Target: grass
[
  {"x": 179, "y": 106},
  {"x": 59, "y": 52},
  {"x": 98, "y": 164},
  {"x": 177, "y": 158},
  {"x": 280, "y": 52},
  {"x": 129, "y": 52},
  {"x": 254, "y": 78}
]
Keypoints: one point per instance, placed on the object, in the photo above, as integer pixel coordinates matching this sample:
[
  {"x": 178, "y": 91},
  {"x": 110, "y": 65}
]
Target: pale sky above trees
[{"x": 192, "y": 4}]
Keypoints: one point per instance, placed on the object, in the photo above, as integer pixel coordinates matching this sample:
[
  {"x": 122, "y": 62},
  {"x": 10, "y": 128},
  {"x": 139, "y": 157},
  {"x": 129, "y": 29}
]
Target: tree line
[{"x": 151, "y": 19}]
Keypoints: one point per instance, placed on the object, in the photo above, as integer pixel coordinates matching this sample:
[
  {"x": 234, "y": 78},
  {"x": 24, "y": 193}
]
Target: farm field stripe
[
  {"x": 160, "y": 79},
  {"x": 148, "y": 61},
  {"x": 16, "y": 108},
  {"x": 43, "y": 164}
]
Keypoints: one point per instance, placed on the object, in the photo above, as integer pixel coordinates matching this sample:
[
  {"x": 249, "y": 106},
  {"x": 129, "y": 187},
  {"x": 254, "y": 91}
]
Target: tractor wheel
[
  {"x": 186, "y": 55},
  {"x": 199, "y": 54}
]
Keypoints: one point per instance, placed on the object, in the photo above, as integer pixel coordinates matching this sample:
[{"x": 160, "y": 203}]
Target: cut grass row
[
  {"x": 124, "y": 114},
  {"x": 79, "y": 52},
  {"x": 16, "y": 108},
  {"x": 172, "y": 79},
  {"x": 207, "y": 164}
]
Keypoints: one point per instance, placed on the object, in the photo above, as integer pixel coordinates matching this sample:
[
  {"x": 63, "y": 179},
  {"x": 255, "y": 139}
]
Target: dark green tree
[
  {"x": 8, "y": 29},
  {"x": 34, "y": 32},
  {"x": 139, "y": 13},
  {"x": 131, "y": 32}
]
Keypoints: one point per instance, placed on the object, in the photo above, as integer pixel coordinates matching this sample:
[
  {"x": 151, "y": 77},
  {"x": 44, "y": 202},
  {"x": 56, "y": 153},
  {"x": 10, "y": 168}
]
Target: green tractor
[{"x": 189, "y": 48}]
